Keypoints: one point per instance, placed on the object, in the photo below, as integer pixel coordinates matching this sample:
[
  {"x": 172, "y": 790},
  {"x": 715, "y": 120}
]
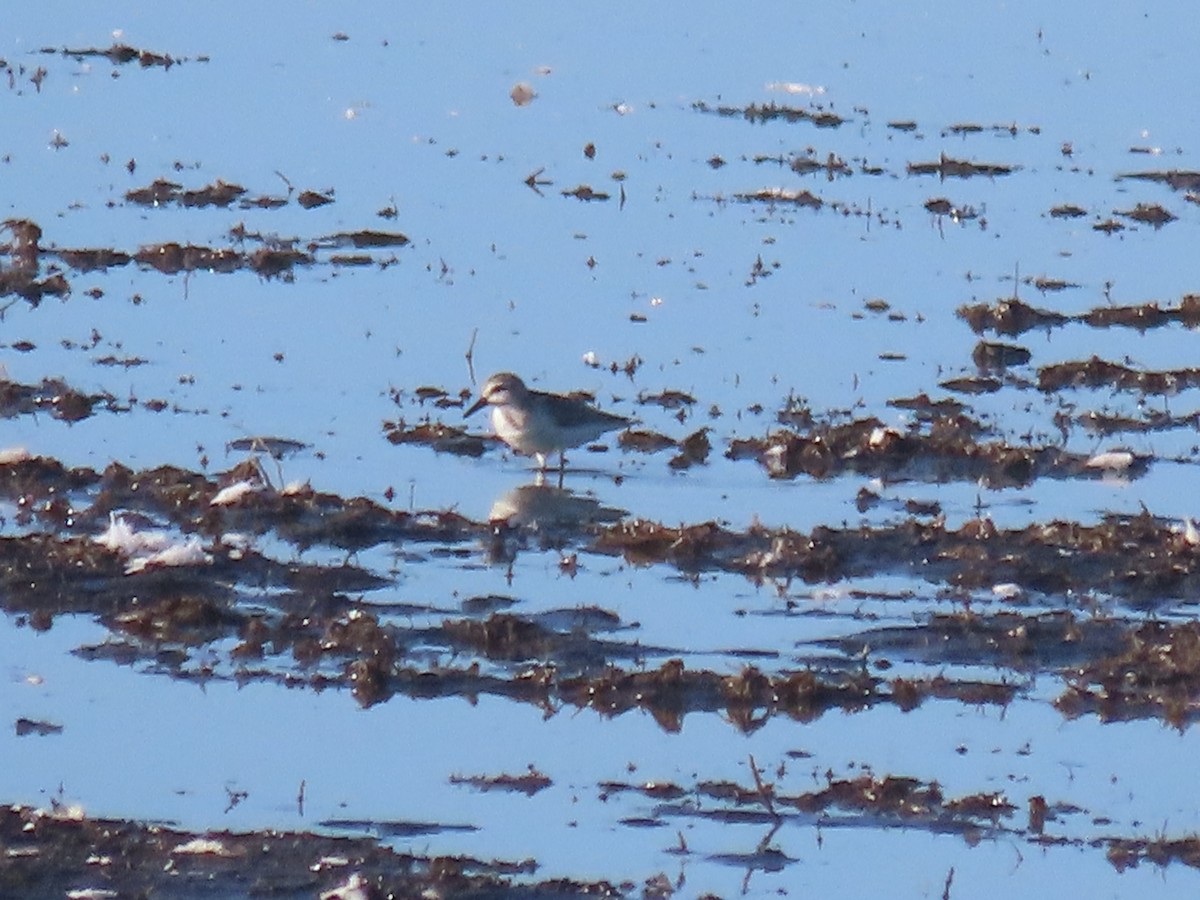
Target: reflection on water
[
  {"x": 799, "y": 260},
  {"x": 540, "y": 507},
  {"x": 542, "y": 516}
]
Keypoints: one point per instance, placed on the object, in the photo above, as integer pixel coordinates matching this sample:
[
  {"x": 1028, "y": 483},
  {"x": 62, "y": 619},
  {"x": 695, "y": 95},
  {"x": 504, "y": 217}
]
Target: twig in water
[
  {"x": 471, "y": 355},
  {"x": 763, "y": 791}
]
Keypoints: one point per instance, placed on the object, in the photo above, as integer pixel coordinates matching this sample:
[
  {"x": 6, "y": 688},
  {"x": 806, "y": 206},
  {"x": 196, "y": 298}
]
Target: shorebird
[{"x": 537, "y": 423}]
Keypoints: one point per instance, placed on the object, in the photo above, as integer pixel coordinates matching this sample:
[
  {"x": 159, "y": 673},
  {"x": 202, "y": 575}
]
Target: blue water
[{"x": 413, "y": 112}]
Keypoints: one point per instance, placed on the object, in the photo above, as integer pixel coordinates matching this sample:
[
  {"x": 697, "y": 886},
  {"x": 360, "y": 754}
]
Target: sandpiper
[{"x": 536, "y": 423}]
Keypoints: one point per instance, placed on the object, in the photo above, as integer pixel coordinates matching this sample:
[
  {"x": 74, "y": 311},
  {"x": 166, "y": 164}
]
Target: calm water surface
[{"x": 740, "y": 304}]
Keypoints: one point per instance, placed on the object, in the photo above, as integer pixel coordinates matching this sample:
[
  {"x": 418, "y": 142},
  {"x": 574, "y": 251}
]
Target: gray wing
[{"x": 572, "y": 412}]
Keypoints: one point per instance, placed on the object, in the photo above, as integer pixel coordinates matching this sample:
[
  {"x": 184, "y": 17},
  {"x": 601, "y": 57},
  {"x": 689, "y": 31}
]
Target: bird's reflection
[
  {"x": 540, "y": 505},
  {"x": 546, "y": 517}
]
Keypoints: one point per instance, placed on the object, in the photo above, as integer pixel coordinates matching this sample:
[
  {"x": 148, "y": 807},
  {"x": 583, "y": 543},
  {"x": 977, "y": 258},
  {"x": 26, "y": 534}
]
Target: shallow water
[{"x": 693, "y": 279}]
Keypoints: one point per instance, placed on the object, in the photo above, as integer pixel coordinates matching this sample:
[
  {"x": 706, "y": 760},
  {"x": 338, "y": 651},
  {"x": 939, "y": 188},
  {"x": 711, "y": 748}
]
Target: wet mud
[
  {"x": 759, "y": 113},
  {"x": 166, "y": 559},
  {"x": 1013, "y": 317},
  {"x": 946, "y": 448},
  {"x": 943, "y": 443},
  {"x": 56, "y": 398},
  {"x": 64, "y": 853},
  {"x": 238, "y": 577},
  {"x": 121, "y": 54},
  {"x": 34, "y": 272}
]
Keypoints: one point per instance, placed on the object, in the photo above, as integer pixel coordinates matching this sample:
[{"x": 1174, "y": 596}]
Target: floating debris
[
  {"x": 21, "y": 275},
  {"x": 62, "y": 401},
  {"x": 26, "y": 727},
  {"x": 1045, "y": 285},
  {"x": 276, "y": 447},
  {"x": 946, "y": 167},
  {"x": 1113, "y": 461},
  {"x": 522, "y": 94},
  {"x": 367, "y": 238},
  {"x": 586, "y": 192},
  {"x": 668, "y": 399},
  {"x": 693, "y": 450},
  {"x": 642, "y": 441},
  {"x": 1068, "y": 211},
  {"x": 972, "y": 384},
  {"x": 781, "y": 195},
  {"x": 940, "y": 206},
  {"x": 1178, "y": 180},
  {"x": 1149, "y": 213},
  {"x": 532, "y": 782},
  {"x": 93, "y": 260},
  {"x": 759, "y": 113},
  {"x": 999, "y": 356},
  {"x": 1096, "y": 372},
  {"x": 120, "y": 54},
  {"x": 1127, "y": 853},
  {"x": 314, "y": 199},
  {"x": 442, "y": 438},
  {"x": 944, "y": 447},
  {"x": 162, "y": 192}
]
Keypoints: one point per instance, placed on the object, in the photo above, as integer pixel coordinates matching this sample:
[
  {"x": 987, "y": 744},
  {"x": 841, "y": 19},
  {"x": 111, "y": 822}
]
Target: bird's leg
[{"x": 562, "y": 468}]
